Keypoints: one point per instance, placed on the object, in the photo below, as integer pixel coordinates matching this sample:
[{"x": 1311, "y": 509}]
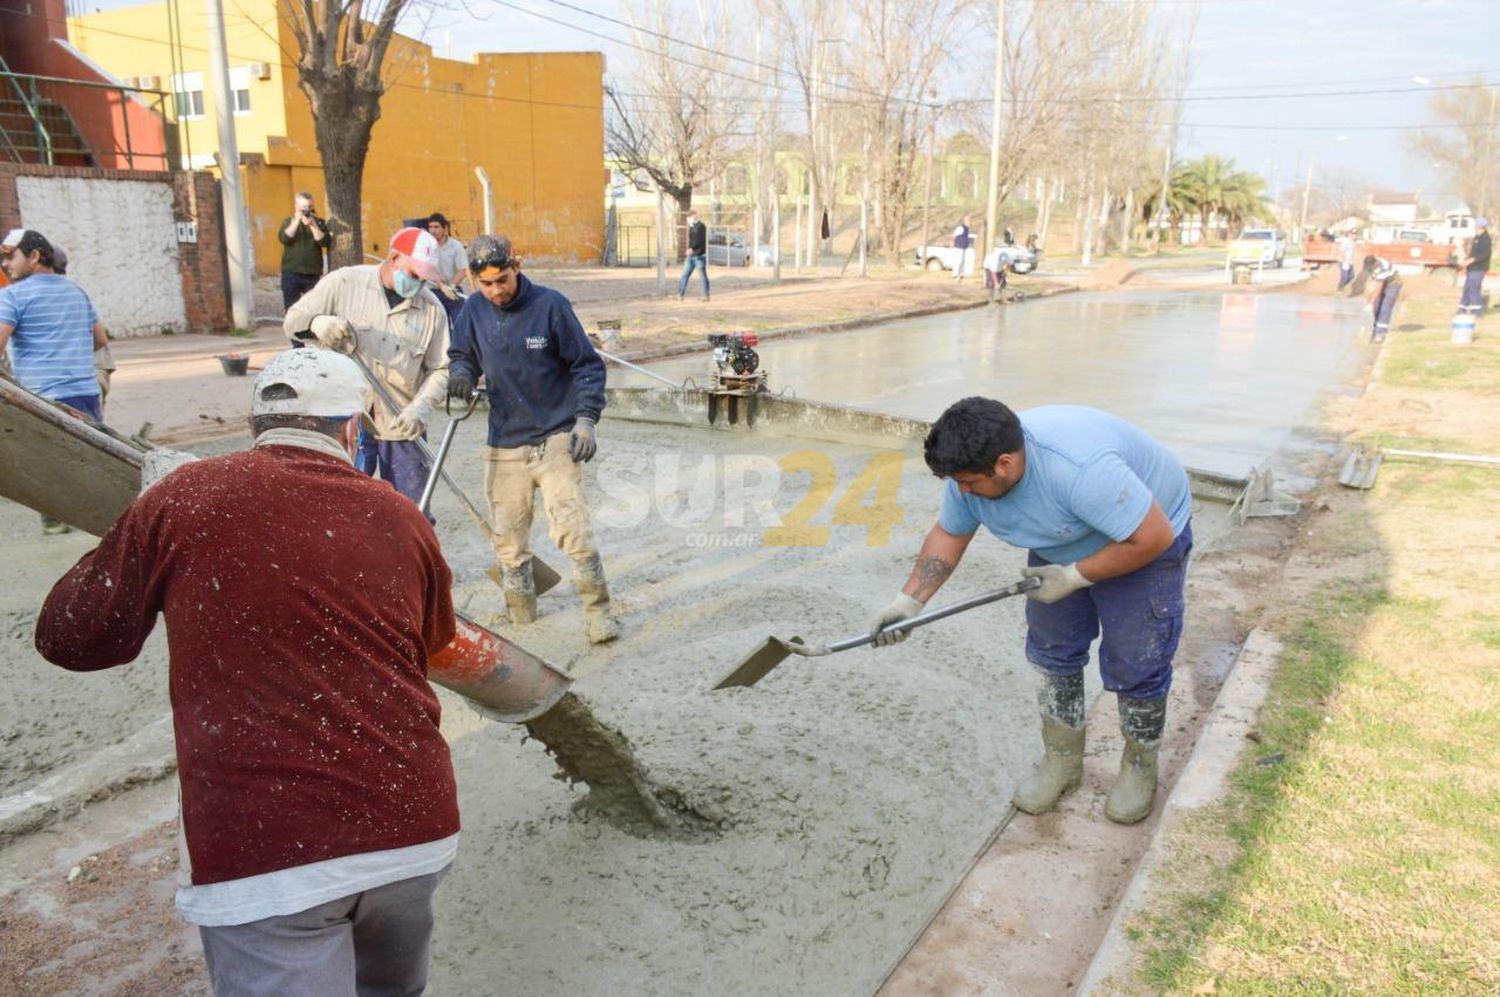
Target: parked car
[
  {"x": 727, "y": 248},
  {"x": 1266, "y": 246},
  {"x": 1018, "y": 259}
]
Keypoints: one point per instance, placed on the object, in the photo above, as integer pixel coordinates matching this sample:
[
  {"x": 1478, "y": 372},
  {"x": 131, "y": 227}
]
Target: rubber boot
[
  {"x": 588, "y": 577},
  {"x": 1133, "y": 795},
  {"x": 520, "y": 593},
  {"x": 1061, "y": 768}
]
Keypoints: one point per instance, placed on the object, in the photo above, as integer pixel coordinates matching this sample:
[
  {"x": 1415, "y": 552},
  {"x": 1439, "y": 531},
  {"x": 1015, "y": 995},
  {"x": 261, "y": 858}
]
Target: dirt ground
[{"x": 853, "y": 791}]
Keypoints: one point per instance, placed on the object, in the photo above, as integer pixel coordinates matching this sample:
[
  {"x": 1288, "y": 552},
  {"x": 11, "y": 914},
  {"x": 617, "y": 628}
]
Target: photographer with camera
[{"x": 304, "y": 239}]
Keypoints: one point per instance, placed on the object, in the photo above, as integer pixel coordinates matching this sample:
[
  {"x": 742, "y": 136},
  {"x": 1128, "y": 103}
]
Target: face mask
[{"x": 405, "y": 284}]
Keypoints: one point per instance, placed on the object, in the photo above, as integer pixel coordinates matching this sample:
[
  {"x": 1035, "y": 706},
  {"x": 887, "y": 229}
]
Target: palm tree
[{"x": 1211, "y": 186}]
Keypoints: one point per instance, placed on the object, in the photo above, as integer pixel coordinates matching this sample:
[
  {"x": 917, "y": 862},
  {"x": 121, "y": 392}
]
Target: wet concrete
[{"x": 1224, "y": 379}]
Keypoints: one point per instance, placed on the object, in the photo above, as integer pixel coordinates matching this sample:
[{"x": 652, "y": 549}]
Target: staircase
[{"x": 36, "y": 129}]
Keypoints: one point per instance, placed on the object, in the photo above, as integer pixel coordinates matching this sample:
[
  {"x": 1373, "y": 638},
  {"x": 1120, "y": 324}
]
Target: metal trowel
[{"x": 774, "y": 650}]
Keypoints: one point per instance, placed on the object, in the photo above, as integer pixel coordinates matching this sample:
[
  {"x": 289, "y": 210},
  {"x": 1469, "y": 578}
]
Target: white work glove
[
  {"x": 334, "y": 332},
  {"x": 157, "y": 464},
  {"x": 410, "y": 422},
  {"x": 1058, "y": 581},
  {"x": 104, "y": 366},
  {"x": 901, "y": 608}
]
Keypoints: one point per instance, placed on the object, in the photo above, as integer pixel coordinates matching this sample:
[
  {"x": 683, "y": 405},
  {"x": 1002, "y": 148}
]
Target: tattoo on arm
[{"x": 929, "y": 575}]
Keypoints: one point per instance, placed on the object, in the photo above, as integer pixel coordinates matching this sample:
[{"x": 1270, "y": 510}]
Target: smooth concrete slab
[{"x": 1225, "y": 379}]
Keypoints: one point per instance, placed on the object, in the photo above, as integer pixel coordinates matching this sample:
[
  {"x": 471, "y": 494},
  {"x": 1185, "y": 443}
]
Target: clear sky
[{"x": 1242, "y": 48}]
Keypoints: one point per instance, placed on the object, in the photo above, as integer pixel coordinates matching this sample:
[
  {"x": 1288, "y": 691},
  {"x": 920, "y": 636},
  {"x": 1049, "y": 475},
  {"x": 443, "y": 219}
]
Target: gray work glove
[
  {"x": 333, "y": 332},
  {"x": 582, "y": 444},
  {"x": 902, "y": 607},
  {"x": 1058, "y": 581}
]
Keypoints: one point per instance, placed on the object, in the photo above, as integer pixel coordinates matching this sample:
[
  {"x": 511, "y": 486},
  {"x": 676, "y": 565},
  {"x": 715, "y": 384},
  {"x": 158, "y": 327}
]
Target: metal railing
[{"x": 146, "y": 154}]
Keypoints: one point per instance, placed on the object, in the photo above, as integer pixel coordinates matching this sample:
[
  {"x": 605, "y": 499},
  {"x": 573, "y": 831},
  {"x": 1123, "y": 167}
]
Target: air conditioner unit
[
  {"x": 260, "y": 70},
  {"x": 148, "y": 82}
]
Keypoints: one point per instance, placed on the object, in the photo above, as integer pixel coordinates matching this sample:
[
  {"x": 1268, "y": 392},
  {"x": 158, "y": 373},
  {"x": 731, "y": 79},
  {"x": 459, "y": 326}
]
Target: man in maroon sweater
[{"x": 318, "y": 803}]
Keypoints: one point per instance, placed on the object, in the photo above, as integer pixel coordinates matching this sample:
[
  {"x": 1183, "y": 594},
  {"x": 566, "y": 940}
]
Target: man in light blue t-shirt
[
  {"x": 1104, "y": 511},
  {"x": 54, "y": 336}
]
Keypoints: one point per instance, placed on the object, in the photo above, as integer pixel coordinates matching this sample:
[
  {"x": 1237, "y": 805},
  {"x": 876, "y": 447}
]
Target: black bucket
[{"x": 234, "y": 364}]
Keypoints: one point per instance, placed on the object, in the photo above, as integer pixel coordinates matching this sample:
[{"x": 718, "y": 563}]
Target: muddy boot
[
  {"x": 1061, "y": 768},
  {"x": 520, "y": 593},
  {"x": 1134, "y": 792},
  {"x": 588, "y": 577}
]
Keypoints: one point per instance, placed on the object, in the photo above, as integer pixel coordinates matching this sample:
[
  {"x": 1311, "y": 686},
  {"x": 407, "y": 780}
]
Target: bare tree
[
  {"x": 340, "y": 59},
  {"x": 1465, "y": 149},
  {"x": 664, "y": 121}
]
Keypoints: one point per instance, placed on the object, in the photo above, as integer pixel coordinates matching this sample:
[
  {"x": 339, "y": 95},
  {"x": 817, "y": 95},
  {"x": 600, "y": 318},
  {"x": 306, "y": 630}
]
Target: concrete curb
[
  {"x": 146, "y": 756},
  {"x": 1203, "y": 781}
]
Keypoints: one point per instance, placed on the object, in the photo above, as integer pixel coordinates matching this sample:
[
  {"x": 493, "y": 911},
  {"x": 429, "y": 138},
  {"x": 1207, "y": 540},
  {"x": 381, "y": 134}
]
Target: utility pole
[
  {"x": 992, "y": 208},
  {"x": 236, "y": 224},
  {"x": 776, "y": 234},
  {"x": 1306, "y": 192},
  {"x": 1489, "y": 160},
  {"x": 661, "y": 245},
  {"x": 927, "y": 183}
]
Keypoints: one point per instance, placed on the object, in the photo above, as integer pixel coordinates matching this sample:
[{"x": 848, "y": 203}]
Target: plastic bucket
[
  {"x": 234, "y": 364},
  {"x": 1463, "y": 328}
]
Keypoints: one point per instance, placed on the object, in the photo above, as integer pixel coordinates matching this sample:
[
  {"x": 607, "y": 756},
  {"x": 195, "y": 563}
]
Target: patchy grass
[
  {"x": 1358, "y": 846},
  {"x": 1427, "y": 358}
]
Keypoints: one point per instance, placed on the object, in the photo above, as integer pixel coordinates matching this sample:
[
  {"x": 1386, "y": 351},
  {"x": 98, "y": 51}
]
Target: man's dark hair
[
  {"x": 970, "y": 436},
  {"x": 35, "y": 242},
  {"x": 437, "y": 216}
]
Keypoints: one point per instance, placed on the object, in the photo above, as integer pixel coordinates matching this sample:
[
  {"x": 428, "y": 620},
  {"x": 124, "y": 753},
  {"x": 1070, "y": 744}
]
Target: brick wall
[{"x": 195, "y": 198}]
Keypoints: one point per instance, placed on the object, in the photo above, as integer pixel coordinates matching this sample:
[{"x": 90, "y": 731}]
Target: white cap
[{"x": 322, "y": 382}]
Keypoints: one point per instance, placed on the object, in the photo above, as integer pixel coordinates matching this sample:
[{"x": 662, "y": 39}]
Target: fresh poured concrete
[{"x": 1224, "y": 379}]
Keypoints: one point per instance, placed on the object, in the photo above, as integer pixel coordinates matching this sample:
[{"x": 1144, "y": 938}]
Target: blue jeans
[
  {"x": 294, "y": 286},
  {"x": 1140, "y": 617},
  {"x": 400, "y": 462},
  {"x": 1472, "y": 300},
  {"x": 89, "y": 405},
  {"x": 1346, "y": 275},
  {"x": 687, "y": 271}
]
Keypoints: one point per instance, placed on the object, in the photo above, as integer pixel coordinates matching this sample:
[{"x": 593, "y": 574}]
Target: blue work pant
[
  {"x": 1384, "y": 307},
  {"x": 701, "y": 262},
  {"x": 1346, "y": 275},
  {"x": 1472, "y": 300},
  {"x": 400, "y": 462},
  {"x": 1139, "y": 616}
]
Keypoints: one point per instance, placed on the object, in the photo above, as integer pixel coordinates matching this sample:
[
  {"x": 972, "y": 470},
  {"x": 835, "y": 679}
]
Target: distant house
[{"x": 1392, "y": 211}]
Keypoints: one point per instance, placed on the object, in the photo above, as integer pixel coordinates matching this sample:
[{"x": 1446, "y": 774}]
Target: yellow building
[{"x": 534, "y": 121}]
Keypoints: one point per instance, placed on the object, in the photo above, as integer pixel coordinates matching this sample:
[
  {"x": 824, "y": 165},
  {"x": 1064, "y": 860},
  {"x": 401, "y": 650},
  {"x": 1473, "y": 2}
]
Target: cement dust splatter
[{"x": 589, "y": 751}]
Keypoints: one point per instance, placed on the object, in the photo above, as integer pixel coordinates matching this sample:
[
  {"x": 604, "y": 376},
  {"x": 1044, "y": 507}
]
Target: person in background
[
  {"x": 697, "y": 255},
  {"x": 56, "y": 342},
  {"x": 1476, "y": 264},
  {"x": 304, "y": 239},
  {"x": 1386, "y": 288},
  {"x": 318, "y": 806},
  {"x": 452, "y": 265},
  {"x": 963, "y": 241},
  {"x": 1346, "y": 259}
]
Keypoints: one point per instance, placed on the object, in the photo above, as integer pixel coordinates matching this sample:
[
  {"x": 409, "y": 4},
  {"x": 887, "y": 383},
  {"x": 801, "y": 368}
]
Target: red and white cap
[{"x": 421, "y": 248}]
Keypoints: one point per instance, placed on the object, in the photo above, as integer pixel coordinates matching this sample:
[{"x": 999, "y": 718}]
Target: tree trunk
[
  {"x": 342, "y": 120},
  {"x": 1127, "y": 222},
  {"x": 684, "y": 198}
]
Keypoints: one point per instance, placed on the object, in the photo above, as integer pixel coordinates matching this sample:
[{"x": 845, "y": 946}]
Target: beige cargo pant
[{"x": 512, "y": 477}]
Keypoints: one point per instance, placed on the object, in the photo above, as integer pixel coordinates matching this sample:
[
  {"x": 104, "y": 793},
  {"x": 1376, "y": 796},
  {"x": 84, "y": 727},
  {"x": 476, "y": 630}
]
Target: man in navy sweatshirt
[{"x": 545, "y": 385}]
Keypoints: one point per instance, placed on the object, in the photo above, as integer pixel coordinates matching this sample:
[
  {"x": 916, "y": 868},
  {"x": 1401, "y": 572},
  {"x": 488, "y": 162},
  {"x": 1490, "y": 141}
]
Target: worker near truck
[
  {"x": 1476, "y": 264},
  {"x": 58, "y": 347},
  {"x": 1385, "y": 289},
  {"x": 318, "y": 806},
  {"x": 1347, "y": 251},
  {"x": 1104, "y": 512},
  {"x": 386, "y": 317},
  {"x": 545, "y": 385}
]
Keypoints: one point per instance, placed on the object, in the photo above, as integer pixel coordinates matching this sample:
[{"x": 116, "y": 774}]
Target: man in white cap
[
  {"x": 389, "y": 320},
  {"x": 54, "y": 335},
  {"x": 1476, "y": 263},
  {"x": 318, "y": 804}
]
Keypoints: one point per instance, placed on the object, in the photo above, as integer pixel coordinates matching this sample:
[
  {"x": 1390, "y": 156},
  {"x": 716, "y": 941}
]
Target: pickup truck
[
  {"x": 1411, "y": 252},
  {"x": 1259, "y": 245},
  {"x": 1018, "y": 259}
]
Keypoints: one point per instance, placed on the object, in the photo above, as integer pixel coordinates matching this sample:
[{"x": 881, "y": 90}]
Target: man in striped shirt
[{"x": 51, "y": 329}]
